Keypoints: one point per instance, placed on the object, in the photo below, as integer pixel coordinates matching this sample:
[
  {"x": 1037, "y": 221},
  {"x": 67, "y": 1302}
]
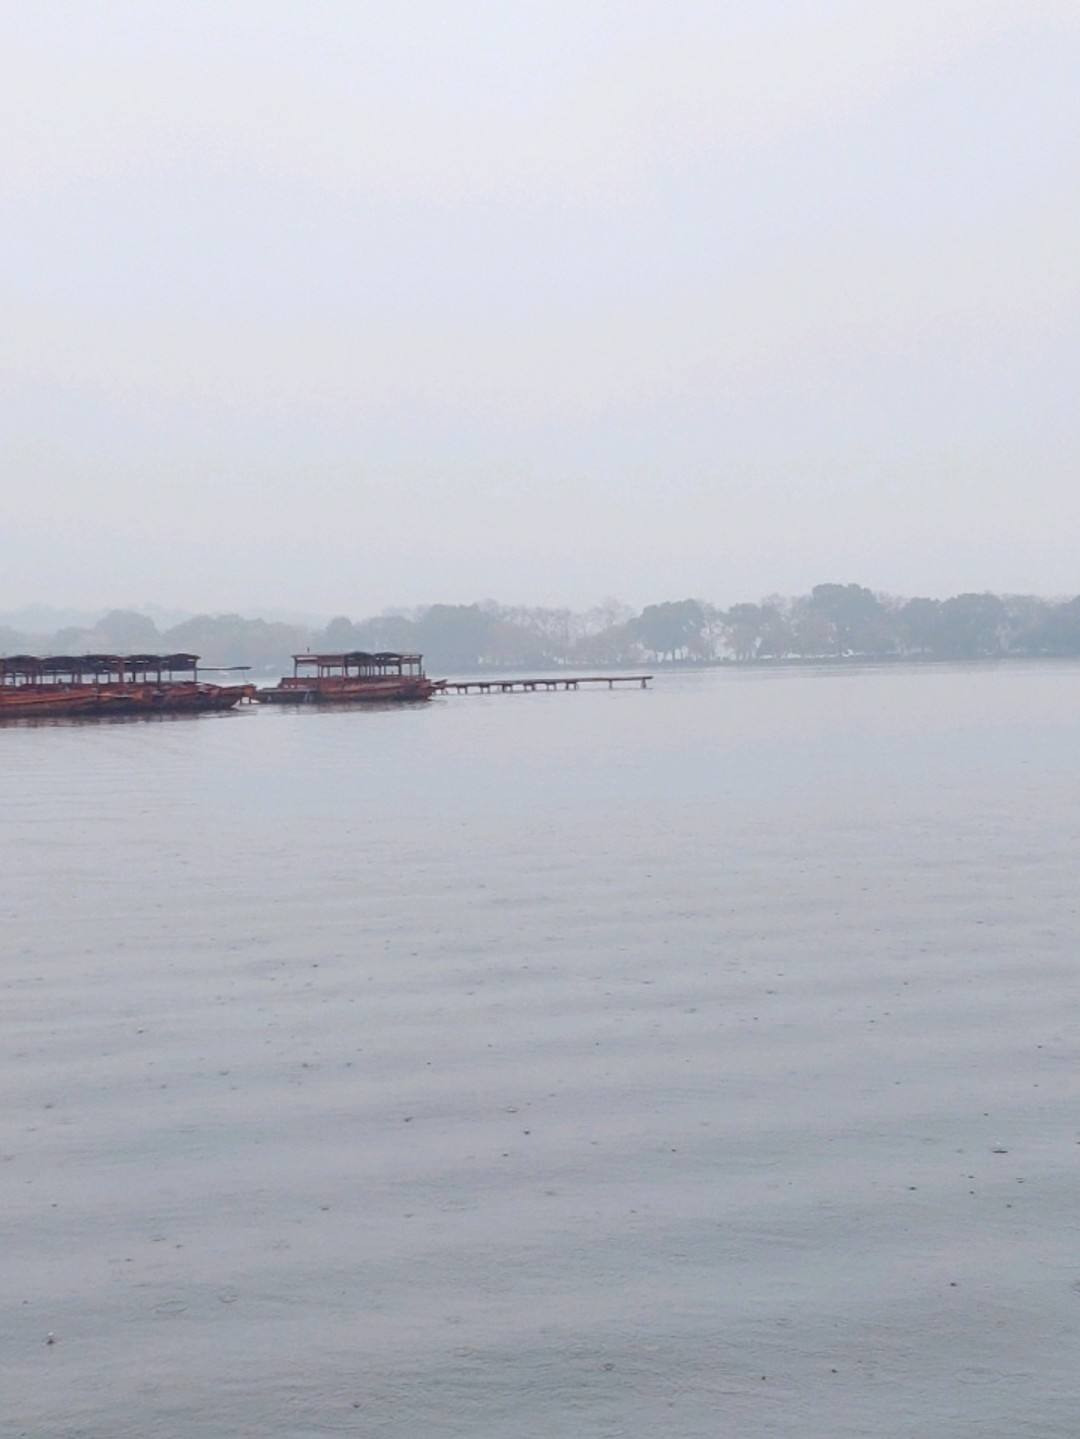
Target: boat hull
[
  {"x": 334, "y": 689},
  {"x": 99, "y": 701}
]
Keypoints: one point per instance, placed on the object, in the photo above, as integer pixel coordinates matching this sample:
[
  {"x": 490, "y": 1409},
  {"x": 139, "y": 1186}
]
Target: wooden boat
[
  {"x": 33, "y": 687},
  {"x": 353, "y": 678}
]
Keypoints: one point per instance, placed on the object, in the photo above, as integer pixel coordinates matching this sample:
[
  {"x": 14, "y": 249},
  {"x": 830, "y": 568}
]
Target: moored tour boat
[
  {"x": 53, "y": 686},
  {"x": 353, "y": 678}
]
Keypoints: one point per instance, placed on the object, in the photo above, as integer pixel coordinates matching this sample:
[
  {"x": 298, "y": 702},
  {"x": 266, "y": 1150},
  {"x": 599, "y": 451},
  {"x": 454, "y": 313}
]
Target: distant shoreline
[
  {"x": 852, "y": 661},
  {"x": 834, "y": 624}
]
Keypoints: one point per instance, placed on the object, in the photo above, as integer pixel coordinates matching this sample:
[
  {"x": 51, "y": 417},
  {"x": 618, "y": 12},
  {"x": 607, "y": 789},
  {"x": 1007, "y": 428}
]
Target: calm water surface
[{"x": 697, "y": 1062}]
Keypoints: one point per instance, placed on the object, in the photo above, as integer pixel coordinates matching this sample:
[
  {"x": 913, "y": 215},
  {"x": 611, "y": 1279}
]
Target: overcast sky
[{"x": 332, "y": 305}]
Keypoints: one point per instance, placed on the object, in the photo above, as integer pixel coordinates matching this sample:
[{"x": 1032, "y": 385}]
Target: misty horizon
[
  {"x": 833, "y": 622},
  {"x": 41, "y": 614}
]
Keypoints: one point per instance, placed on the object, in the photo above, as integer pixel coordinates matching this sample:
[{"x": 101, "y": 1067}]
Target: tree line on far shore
[{"x": 832, "y": 622}]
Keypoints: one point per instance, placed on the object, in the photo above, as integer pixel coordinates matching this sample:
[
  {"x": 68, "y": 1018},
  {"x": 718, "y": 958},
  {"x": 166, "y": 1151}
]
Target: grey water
[{"x": 699, "y": 1062}]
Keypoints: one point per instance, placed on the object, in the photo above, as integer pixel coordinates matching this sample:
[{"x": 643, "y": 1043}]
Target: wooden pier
[{"x": 560, "y": 682}]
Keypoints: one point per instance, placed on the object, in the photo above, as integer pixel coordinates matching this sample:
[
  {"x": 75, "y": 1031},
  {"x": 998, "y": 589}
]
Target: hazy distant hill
[{"x": 833, "y": 622}]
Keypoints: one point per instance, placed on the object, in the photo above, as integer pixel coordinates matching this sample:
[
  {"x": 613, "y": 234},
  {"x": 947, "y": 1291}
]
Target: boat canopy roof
[
  {"x": 359, "y": 657},
  {"x": 27, "y": 665}
]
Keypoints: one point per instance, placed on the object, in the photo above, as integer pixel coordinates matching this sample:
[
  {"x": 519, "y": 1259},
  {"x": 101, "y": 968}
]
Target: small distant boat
[
  {"x": 54, "y": 686},
  {"x": 353, "y": 678}
]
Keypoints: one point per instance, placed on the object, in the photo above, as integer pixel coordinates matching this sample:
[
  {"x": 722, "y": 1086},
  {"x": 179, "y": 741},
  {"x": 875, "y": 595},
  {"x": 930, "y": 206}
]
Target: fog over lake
[
  {"x": 697, "y": 1061},
  {"x": 324, "y": 307}
]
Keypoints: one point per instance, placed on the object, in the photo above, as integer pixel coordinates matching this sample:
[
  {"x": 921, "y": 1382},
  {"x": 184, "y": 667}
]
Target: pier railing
[{"x": 547, "y": 682}]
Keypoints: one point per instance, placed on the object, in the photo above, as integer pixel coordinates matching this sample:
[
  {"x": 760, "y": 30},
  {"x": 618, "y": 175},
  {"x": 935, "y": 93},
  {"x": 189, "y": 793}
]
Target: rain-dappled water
[{"x": 696, "y": 1062}]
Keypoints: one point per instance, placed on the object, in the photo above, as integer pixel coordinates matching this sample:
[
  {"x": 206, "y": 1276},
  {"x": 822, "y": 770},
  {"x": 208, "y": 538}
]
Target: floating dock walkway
[{"x": 561, "y": 682}]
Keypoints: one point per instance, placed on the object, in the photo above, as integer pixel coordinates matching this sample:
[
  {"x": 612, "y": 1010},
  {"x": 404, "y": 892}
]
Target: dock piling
[{"x": 544, "y": 682}]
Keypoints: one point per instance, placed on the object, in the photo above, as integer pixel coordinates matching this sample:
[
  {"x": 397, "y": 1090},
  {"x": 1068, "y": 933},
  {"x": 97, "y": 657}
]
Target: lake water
[{"x": 695, "y": 1062}]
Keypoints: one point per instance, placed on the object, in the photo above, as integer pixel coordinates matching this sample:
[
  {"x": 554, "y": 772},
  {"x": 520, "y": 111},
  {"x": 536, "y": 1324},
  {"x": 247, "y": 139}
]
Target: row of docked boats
[{"x": 56, "y": 686}]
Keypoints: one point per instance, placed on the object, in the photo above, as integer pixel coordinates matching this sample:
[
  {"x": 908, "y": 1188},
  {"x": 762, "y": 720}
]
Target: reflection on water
[
  {"x": 143, "y": 717},
  {"x": 696, "y": 1062}
]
